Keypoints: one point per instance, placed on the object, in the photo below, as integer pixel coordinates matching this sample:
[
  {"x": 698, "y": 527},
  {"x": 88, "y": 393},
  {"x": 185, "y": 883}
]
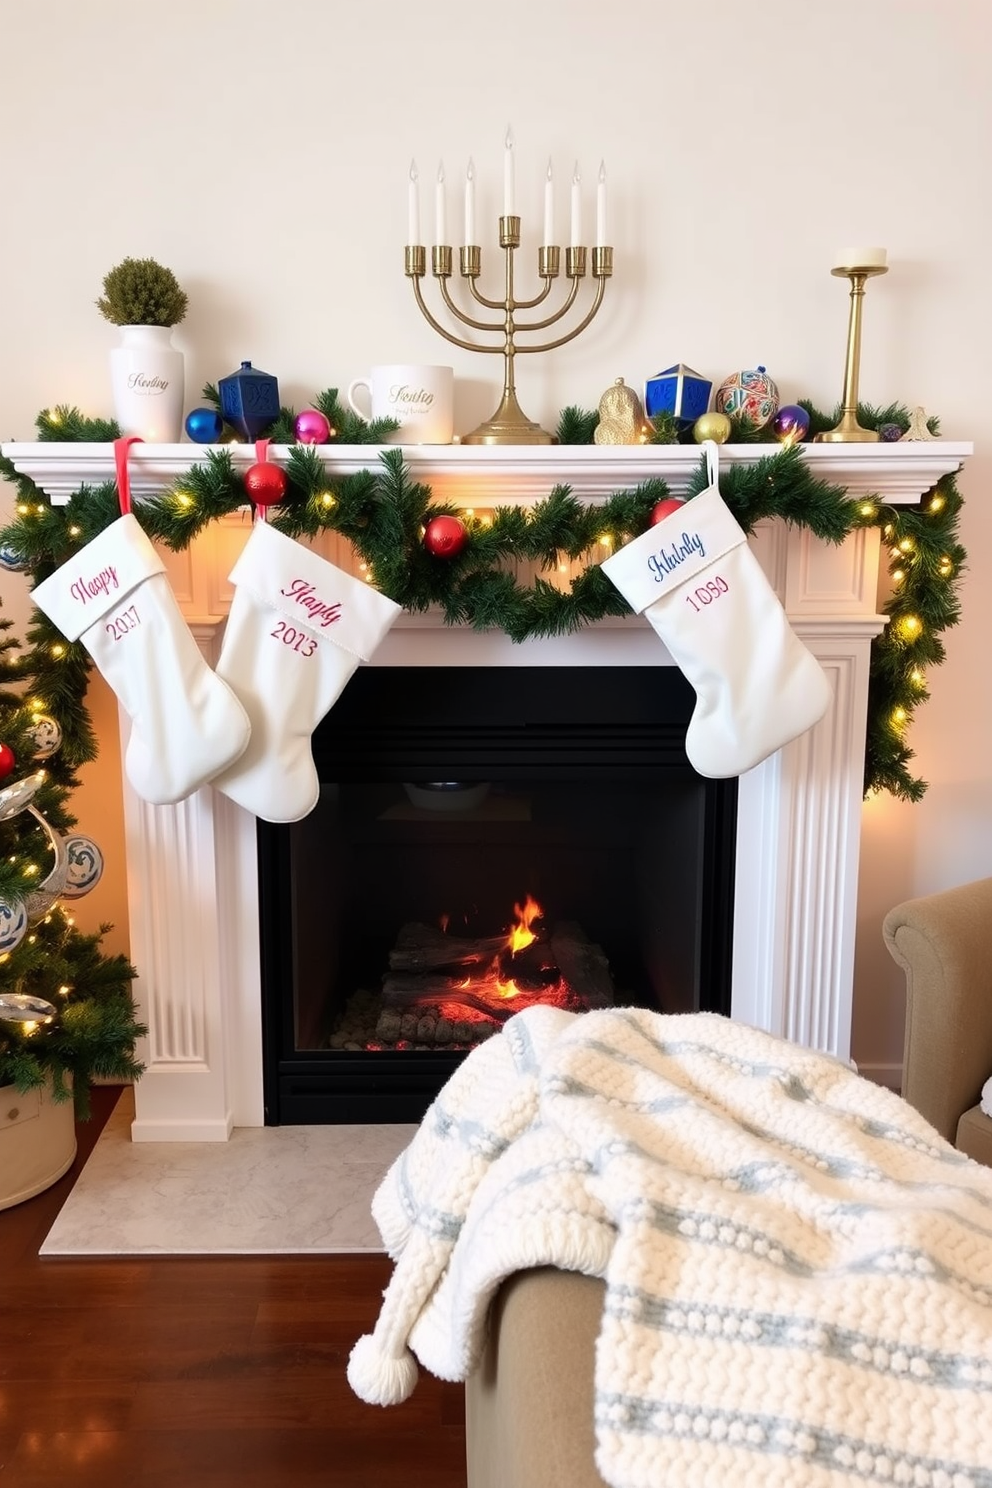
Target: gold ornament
[
  {"x": 715, "y": 426},
  {"x": 918, "y": 426},
  {"x": 621, "y": 417}
]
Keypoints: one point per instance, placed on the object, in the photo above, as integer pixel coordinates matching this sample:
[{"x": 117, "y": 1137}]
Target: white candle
[
  {"x": 549, "y": 207},
  {"x": 413, "y": 207},
  {"x": 470, "y": 204},
  {"x": 508, "y": 192},
  {"x": 440, "y": 214},
  {"x": 860, "y": 258},
  {"x": 576, "y": 208},
  {"x": 601, "y": 206}
]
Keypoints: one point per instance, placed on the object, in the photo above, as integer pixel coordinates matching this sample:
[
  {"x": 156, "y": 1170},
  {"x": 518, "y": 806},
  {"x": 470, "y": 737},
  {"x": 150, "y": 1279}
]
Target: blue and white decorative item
[
  {"x": 249, "y": 401},
  {"x": 679, "y": 391},
  {"x": 85, "y": 866},
  {"x": 11, "y": 560},
  {"x": 204, "y": 426}
]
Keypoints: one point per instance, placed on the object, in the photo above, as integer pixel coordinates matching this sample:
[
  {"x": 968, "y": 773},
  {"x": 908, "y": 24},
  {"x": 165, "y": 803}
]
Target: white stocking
[
  {"x": 297, "y": 630},
  {"x": 701, "y": 588},
  {"x": 115, "y": 597}
]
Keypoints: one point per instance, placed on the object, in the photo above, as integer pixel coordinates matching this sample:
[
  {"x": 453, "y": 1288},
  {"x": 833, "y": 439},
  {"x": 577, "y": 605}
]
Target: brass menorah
[{"x": 509, "y": 424}]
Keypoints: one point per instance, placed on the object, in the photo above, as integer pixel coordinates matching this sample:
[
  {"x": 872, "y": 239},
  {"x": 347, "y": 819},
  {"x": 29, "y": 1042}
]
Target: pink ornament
[{"x": 311, "y": 427}]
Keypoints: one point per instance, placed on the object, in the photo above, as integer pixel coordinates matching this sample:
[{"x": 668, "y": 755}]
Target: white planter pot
[
  {"x": 146, "y": 373},
  {"x": 37, "y": 1142}
]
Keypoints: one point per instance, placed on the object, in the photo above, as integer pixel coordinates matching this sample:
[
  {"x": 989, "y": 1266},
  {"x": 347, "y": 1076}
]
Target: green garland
[{"x": 382, "y": 513}]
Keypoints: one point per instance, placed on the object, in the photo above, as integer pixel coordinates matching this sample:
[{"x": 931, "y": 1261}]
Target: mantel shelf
[{"x": 487, "y": 475}]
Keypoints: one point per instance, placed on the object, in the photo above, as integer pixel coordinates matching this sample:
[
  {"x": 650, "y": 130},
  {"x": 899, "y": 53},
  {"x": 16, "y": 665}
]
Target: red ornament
[
  {"x": 663, "y": 509},
  {"x": 265, "y": 484},
  {"x": 7, "y": 761},
  {"x": 444, "y": 536}
]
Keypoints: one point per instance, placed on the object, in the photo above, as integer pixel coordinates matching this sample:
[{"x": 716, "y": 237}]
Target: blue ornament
[
  {"x": 11, "y": 560},
  {"x": 679, "y": 391},
  {"x": 791, "y": 423},
  {"x": 204, "y": 426},
  {"x": 249, "y": 401},
  {"x": 85, "y": 866}
]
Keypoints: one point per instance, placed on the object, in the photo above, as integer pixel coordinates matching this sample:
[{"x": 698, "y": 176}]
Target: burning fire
[{"x": 521, "y": 934}]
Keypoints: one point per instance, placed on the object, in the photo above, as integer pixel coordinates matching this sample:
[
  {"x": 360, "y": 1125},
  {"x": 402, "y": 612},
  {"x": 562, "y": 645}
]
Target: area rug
[{"x": 268, "y": 1191}]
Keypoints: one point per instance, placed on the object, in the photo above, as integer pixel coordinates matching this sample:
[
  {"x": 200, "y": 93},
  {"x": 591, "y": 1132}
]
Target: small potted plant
[{"x": 146, "y": 301}]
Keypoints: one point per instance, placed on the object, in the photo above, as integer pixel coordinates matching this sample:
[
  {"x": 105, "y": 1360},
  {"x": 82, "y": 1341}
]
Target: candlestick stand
[
  {"x": 848, "y": 430},
  {"x": 509, "y": 424}
]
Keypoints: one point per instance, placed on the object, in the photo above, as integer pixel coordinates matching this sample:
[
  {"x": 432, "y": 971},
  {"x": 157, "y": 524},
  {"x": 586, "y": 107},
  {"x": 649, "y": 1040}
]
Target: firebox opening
[{"x": 485, "y": 839}]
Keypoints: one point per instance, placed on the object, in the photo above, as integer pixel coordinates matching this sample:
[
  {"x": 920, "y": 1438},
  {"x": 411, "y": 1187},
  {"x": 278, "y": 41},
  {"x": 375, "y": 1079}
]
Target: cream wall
[{"x": 261, "y": 152}]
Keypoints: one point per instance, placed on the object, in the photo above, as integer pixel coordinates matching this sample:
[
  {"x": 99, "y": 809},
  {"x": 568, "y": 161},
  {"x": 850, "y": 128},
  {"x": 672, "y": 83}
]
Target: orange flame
[{"x": 521, "y": 934}]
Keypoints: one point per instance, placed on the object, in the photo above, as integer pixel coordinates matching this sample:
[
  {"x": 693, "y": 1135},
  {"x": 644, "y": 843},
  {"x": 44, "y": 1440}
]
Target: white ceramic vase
[
  {"x": 146, "y": 373},
  {"x": 37, "y": 1142}
]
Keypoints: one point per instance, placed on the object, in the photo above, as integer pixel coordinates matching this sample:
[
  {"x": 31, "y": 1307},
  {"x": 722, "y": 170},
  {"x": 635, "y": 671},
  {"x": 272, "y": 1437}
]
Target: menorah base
[
  {"x": 848, "y": 431},
  {"x": 509, "y": 425}
]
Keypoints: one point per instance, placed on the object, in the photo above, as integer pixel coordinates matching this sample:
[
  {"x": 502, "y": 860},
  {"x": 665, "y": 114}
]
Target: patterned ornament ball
[
  {"x": 7, "y": 761},
  {"x": 791, "y": 423},
  {"x": 11, "y": 560},
  {"x": 204, "y": 426},
  {"x": 445, "y": 537},
  {"x": 13, "y": 923},
  {"x": 750, "y": 394},
  {"x": 889, "y": 433},
  {"x": 85, "y": 866},
  {"x": 312, "y": 427},
  {"x": 47, "y": 736},
  {"x": 265, "y": 484},
  {"x": 663, "y": 509},
  {"x": 715, "y": 426}
]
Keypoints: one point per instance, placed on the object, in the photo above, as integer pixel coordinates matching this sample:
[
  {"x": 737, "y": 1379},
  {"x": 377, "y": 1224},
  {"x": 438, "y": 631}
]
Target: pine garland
[{"x": 382, "y": 513}]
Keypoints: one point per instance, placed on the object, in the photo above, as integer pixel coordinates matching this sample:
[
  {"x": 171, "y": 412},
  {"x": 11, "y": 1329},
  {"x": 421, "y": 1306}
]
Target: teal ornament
[
  {"x": 85, "y": 866},
  {"x": 204, "y": 426},
  {"x": 679, "y": 391},
  {"x": 249, "y": 401}
]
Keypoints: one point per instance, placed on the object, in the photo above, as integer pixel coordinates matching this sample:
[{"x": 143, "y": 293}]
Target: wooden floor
[{"x": 220, "y": 1372}]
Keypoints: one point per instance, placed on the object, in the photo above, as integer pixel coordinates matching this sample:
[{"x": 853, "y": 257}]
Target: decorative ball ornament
[
  {"x": 715, "y": 426},
  {"x": 312, "y": 427},
  {"x": 750, "y": 394},
  {"x": 21, "y": 1007},
  {"x": 791, "y": 423},
  {"x": 445, "y": 537},
  {"x": 85, "y": 866},
  {"x": 265, "y": 484},
  {"x": 11, "y": 560},
  {"x": 7, "y": 761},
  {"x": 47, "y": 736},
  {"x": 889, "y": 433},
  {"x": 663, "y": 509},
  {"x": 204, "y": 426},
  {"x": 13, "y": 924}
]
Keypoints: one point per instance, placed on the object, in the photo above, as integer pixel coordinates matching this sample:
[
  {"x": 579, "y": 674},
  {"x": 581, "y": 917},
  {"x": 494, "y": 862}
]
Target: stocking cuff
[
  {"x": 312, "y": 593},
  {"x": 97, "y": 578},
  {"x": 674, "y": 550}
]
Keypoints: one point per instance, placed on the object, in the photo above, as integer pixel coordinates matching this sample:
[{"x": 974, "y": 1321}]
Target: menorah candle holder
[
  {"x": 848, "y": 430},
  {"x": 509, "y": 424}
]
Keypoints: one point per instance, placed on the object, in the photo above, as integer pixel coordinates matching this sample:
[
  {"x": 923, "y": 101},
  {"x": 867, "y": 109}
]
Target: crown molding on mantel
[{"x": 898, "y": 473}]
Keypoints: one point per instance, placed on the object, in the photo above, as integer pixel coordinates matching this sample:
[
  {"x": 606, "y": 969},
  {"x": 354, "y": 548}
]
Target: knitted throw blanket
[{"x": 798, "y": 1268}]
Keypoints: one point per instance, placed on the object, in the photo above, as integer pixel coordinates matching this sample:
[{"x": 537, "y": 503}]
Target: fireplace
[{"x": 455, "y": 800}]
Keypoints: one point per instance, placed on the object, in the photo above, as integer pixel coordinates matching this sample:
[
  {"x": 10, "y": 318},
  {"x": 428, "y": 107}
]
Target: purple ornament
[
  {"x": 791, "y": 423},
  {"x": 889, "y": 433},
  {"x": 311, "y": 427}
]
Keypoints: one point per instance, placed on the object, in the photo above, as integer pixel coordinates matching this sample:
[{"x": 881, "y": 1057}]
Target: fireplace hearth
[{"x": 455, "y": 803}]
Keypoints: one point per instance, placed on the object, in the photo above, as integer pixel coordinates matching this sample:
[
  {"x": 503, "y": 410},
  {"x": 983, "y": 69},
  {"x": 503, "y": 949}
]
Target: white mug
[{"x": 421, "y": 399}]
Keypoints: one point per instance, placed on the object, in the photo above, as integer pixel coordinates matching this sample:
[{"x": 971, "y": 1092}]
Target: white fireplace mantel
[{"x": 192, "y": 879}]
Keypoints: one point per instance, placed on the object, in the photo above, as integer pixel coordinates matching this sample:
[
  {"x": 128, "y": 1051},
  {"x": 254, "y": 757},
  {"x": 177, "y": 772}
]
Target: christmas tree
[{"x": 66, "y": 1009}]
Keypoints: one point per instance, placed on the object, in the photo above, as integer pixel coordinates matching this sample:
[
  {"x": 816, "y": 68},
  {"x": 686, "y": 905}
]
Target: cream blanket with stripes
[{"x": 798, "y": 1268}]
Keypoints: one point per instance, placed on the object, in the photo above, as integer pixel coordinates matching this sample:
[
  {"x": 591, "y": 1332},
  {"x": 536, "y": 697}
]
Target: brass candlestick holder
[
  {"x": 848, "y": 430},
  {"x": 509, "y": 424}
]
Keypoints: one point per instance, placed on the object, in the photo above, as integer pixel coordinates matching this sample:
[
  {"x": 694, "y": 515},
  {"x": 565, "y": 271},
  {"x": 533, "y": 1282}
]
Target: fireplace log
[
  {"x": 423, "y": 948},
  {"x": 582, "y": 964}
]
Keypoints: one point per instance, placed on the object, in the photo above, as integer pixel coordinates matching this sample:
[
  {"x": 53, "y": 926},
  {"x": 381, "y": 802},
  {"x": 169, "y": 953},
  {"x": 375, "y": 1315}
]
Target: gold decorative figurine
[
  {"x": 509, "y": 424},
  {"x": 858, "y": 265},
  {"x": 621, "y": 417}
]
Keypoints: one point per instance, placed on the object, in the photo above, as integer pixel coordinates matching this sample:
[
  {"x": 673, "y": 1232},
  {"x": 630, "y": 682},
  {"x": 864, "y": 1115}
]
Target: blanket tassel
[{"x": 378, "y": 1378}]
